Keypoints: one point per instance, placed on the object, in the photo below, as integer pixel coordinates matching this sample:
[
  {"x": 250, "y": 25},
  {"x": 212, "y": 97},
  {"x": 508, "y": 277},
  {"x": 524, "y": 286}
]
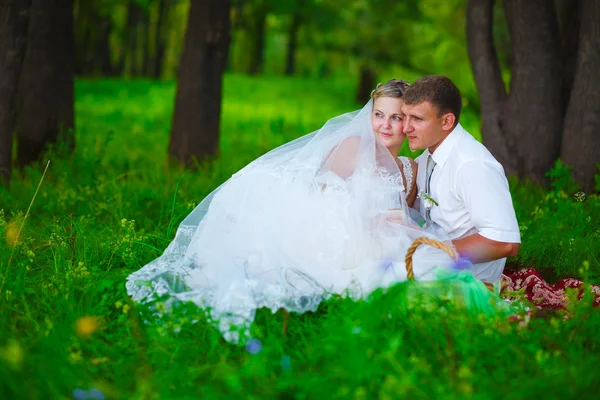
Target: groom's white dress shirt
[{"x": 472, "y": 193}]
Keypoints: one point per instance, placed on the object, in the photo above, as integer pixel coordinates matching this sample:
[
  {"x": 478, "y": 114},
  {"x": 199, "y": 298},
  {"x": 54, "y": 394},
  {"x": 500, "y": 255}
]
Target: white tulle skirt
[{"x": 269, "y": 240}]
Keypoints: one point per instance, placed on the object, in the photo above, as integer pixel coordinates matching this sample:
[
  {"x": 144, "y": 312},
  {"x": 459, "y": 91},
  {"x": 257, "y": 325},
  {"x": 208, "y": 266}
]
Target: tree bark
[
  {"x": 47, "y": 83},
  {"x": 490, "y": 86},
  {"x": 102, "y": 48},
  {"x": 568, "y": 12},
  {"x": 366, "y": 83},
  {"x": 144, "y": 33},
  {"x": 522, "y": 129},
  {"x": 83, "y": 37},
  {"x": 260, "y": 28},
  {"x": 14, "y": 20},
  {"x": 160, "y": 43},
  {"x": 533, "y": 115},
  {"x": 131, "y": 59},
  {"x": 292, "y": 44},
  {"x": 581, "y": 137},
  {"x": 196, "y": 119}
]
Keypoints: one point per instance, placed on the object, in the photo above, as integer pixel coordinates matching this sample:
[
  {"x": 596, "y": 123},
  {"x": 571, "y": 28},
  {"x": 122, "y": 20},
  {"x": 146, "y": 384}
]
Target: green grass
[{"x": 114, "y": 205}]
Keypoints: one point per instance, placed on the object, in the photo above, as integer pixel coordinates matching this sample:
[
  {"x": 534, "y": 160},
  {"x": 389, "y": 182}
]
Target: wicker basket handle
[
  {"x": 435, "y": 243},
  {"x": 424, "y": 240}
]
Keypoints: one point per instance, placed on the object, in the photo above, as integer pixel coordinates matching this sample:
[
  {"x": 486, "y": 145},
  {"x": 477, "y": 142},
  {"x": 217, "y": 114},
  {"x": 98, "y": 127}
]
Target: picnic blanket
[{"x": 541, "y": 293}]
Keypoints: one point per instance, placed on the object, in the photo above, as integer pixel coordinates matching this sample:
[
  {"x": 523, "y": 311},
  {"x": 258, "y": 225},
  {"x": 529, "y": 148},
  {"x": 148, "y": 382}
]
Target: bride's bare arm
[{"x": 342, "y": 158}]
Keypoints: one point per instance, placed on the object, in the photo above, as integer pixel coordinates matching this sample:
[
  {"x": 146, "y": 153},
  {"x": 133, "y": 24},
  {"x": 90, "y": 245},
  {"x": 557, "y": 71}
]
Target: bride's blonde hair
[{"x": 392, "y": 88}]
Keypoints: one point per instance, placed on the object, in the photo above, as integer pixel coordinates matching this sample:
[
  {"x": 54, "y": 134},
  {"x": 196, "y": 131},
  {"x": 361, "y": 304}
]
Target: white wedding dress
[{"x": 303, "y": 222}]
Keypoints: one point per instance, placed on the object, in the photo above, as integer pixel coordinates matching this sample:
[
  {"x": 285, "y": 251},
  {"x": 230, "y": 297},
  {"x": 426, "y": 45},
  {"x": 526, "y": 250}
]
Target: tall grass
[{"x": 67, "y": 324}]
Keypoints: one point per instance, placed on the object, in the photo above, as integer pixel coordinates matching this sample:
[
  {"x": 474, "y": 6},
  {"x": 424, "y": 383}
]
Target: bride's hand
[{"x": 395, "y": 215}]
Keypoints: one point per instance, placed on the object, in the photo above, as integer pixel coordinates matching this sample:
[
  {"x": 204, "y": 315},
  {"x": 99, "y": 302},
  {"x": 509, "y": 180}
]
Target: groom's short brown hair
[{"x": 439, "y": 90}]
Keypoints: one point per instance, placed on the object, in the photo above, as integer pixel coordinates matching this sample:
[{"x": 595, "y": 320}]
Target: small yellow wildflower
[
  {"x": 13, "y": 353},
  {"x": 12, "y": 234},
  {"x": 87, "y": 325}
]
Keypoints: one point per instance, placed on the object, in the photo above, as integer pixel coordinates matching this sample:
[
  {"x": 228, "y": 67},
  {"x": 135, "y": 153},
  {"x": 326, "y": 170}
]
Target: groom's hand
[{"x": 481, "y": 249}]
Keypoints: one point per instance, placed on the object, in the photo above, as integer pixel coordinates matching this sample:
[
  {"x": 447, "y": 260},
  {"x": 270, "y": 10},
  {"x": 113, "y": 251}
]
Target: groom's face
[{"x": 423, "y": 127}]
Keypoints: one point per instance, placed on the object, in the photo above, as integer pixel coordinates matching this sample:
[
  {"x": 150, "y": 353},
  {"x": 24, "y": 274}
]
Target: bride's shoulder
[
  {"x": 408, "y": 163},
  {"x": 352, "y": 141},
  {"x": 349, "y": 145}
]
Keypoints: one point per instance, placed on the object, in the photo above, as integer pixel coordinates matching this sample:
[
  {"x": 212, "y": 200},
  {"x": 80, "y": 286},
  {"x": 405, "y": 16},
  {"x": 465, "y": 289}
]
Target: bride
[{"x": 325, "y": 214}]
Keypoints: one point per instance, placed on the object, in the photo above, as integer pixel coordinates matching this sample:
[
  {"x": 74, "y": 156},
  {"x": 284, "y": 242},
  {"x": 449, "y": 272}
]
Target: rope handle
[{"x": 435, "y": 243}]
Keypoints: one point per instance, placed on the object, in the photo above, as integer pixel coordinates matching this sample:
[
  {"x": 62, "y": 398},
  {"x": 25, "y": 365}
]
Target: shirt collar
[{"x": 441, "y": 154}]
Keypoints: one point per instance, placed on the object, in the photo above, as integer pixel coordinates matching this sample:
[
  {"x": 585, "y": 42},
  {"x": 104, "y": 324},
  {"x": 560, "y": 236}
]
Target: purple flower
[
  {"x": 92, "y": 394},
  {"x": 95, "y": 394},
  {"x": 79, "y": 394},
  {"x": 463, "y": 263},
  {"x": 254, "y": 346}
]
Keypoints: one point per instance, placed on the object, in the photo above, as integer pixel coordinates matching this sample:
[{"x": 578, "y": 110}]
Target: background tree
[
  {"x": 581, "y": 135},
  {"x": 93, "y": 29},
  {"x": 364, "y": 31},
  {"x": 124, "y": 38},
  {"x": 195, "y": 131},
  {"x": 525, "y": 128},
  {"x": 14, "y": 20},
  {"x": 299, "y": 11},
  {"x": 46, "y": 91},
  {"x": 258, "y": 11}
]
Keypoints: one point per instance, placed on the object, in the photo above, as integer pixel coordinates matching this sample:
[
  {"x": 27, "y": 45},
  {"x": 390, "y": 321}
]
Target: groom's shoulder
[{"x": 470, "y": 149}]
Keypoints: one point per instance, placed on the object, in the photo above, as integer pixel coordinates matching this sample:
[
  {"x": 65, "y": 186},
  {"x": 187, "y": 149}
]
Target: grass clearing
[{"x": 67, "y": 323}]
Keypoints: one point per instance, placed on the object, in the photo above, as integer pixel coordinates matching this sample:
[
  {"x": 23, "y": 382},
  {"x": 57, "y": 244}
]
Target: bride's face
[{"x": 386, "y": 119}]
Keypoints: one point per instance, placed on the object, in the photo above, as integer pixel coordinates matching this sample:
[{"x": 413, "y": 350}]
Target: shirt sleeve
[{"x": 483, "y": 188}]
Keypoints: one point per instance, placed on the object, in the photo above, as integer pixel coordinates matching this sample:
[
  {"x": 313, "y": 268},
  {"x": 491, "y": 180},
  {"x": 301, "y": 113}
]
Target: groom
[{"x": 462, "y": 187}]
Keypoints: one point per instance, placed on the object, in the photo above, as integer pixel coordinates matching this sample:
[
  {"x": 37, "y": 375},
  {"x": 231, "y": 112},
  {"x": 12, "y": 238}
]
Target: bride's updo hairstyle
[{"x": 392, "y": 88}]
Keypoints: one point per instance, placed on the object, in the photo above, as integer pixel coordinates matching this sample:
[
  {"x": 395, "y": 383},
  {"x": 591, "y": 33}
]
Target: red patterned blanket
[{"x": 541, "y": 293}]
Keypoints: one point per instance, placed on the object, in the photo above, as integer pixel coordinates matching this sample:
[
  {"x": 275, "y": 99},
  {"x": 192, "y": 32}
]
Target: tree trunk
[
  {"x": 14, "y": 20},
  {"x": 146, "y": 44},
  {"x": 568, "y": 12},
  {"x": 533, "y": 114},
  {"x": 260, "y": 28},
  {"x": 366, "y": 83},
  {"x": 522, "y": 129},
  {"x": 160, "y": 43},
  {"x": 83, "y": 38},
  {"x": 581, "y": 138},
  {"x": 47, "y": 88},
  {"x": 292, "y": 44},
  {"x": 131, "y": 49},
  {"x": 492, "y": 93},
  {"x": 102, "y": 48},
  {"x": 195, "y": 132}
]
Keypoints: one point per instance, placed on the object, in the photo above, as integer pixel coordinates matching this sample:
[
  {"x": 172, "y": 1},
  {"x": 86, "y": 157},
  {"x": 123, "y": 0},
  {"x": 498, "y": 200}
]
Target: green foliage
[
  {"x": 66, "y": 321},
  {"x": 561, "y": 178},
  {"x": 335, "y": 38},
  {"x": 338, "y": 37},
  {"x": 560, "y": 228}
]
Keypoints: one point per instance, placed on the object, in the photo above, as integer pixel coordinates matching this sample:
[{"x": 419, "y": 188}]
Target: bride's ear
[{"x": 448, "y": 121}]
